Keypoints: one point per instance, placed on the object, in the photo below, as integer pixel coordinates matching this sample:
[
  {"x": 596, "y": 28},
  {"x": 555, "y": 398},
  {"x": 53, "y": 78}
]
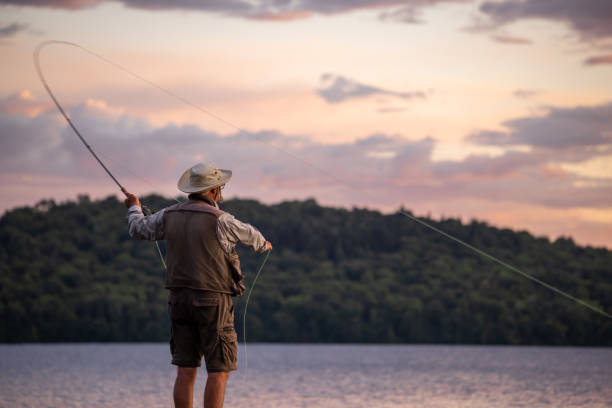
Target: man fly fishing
[{"x": 202, "y": 273}]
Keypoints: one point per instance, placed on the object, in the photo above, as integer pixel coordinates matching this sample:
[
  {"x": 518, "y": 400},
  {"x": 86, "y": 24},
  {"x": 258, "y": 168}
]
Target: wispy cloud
[
  {"x": 337, "y": 88},
  {"x": 11, "y": 29},
  {"x": 59, "y": 4},
  {"x": 391, "y": 110},
  {"x": 526, "y": 93},
  {"x": 265, "y": 10},
  {"x": 410, "y": 15},
  {"x": 410, "y": 11},
  {"x": 560, "y": 128},
  {"x": 591, "y": 19},
  {"x": 599, "y": 60},
  {"x": 510, "y": 39},
  {"x": 23, "y": 103}
]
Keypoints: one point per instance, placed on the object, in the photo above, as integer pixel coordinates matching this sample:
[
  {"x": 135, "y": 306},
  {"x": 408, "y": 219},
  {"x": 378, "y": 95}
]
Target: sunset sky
[{"x": 495, "y": 110}]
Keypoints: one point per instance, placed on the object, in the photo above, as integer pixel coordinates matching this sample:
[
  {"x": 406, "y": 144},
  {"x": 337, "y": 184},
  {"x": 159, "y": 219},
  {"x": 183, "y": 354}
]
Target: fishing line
[
  {"x": 182, "y": 99},
  {"x": 246, "y": 305},
  {"x": 126, "y": 168},
  {"x": 508, "y": 266},
  {"x": 333, "y": 177}
]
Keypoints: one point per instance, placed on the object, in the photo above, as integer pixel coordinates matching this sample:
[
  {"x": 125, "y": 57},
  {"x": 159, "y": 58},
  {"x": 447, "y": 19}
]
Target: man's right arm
[{"x": 150, "y": 228}]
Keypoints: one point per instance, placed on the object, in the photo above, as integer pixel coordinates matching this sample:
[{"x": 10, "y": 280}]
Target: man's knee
[
  {"x": 187, "y": 373},
  {"x": 220, "y": 376}
]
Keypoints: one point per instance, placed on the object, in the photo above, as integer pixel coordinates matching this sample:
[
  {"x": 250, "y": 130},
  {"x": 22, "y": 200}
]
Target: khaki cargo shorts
[{"x": 202, "y": 325}]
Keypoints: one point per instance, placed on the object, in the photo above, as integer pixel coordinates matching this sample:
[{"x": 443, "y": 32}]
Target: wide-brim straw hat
[{"x": 203, "y": 177}]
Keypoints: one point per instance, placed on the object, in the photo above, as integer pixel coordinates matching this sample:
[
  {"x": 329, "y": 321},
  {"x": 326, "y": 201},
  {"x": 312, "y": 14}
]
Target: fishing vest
[{"x": 194, "y": 256}]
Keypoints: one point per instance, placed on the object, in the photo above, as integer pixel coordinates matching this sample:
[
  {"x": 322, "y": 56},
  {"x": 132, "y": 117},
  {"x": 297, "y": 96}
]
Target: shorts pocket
[
  {"x": 228, "y": 340},
  {"x": 172, "y": 310}
]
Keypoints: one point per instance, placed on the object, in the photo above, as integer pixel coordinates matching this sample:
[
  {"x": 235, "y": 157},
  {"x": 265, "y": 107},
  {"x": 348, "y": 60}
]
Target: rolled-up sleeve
[
  {"x": 143, "y": 227},
  {"x": 230, "y": 231}
]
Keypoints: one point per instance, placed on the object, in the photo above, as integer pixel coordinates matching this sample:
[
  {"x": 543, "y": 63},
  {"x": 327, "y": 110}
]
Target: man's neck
[{"x": 204, "y": 198}]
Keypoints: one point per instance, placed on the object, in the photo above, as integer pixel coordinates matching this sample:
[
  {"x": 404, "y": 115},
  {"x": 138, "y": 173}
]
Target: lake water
[{"x": 373, "y": 376}]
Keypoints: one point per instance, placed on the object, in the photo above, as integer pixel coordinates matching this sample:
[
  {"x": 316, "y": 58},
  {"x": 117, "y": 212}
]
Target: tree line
[{"x": 70, "y": 272}]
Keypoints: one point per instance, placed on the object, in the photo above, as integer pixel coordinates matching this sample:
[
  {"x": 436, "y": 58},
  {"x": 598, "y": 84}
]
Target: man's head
[{"x": 205, "y": 179}]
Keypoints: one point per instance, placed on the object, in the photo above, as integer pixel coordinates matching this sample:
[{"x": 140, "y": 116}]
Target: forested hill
[{"x": 71, "y": 273}]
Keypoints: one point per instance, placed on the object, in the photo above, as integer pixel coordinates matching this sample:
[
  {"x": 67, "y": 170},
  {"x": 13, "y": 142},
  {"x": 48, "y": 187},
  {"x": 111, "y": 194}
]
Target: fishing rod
[
  {"x": 59, "y": 107},
  {"x": 41, "y": 76}
]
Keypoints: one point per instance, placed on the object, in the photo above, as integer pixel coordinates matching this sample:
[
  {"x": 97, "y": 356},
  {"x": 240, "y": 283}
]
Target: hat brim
[{"x": 185, "y": 185}]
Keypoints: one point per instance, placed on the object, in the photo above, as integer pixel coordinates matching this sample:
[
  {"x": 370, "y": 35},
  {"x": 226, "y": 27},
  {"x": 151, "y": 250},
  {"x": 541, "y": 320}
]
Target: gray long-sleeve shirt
[{"x": 230, "y": 231}]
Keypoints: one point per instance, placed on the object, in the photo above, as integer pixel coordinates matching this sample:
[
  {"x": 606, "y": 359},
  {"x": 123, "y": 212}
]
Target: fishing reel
[{"x": 146, "y": 210}]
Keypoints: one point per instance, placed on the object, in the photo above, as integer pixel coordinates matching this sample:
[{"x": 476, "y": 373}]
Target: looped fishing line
[{"x": 323, "y": 171}]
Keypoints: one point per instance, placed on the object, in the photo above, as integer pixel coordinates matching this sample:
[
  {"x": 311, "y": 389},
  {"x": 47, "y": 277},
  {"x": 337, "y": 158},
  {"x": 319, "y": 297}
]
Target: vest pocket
[{"x": 205, "y": 300}]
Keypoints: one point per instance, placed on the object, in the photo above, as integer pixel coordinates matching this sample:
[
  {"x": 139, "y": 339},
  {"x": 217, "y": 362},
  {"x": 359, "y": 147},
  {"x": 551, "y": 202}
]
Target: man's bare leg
[
  {"x": 183, "y": 386},
  {"x": 214, "y": 393}
]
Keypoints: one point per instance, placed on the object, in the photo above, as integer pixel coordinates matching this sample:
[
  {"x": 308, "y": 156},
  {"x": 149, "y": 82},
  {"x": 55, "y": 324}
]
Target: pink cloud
[
  {"x": 61, "y": 4},
  {"x": 510, "y": 39},
  {"x": 23, "y": 103},
  {"x": 381, "y": 171},
  {"x": 553, "y": 171},
  {"x": 282, "y": 17}
]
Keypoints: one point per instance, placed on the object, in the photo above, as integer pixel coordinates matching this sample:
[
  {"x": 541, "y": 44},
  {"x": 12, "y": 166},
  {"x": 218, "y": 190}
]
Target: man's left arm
[{"x": 230, "y": 231}]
